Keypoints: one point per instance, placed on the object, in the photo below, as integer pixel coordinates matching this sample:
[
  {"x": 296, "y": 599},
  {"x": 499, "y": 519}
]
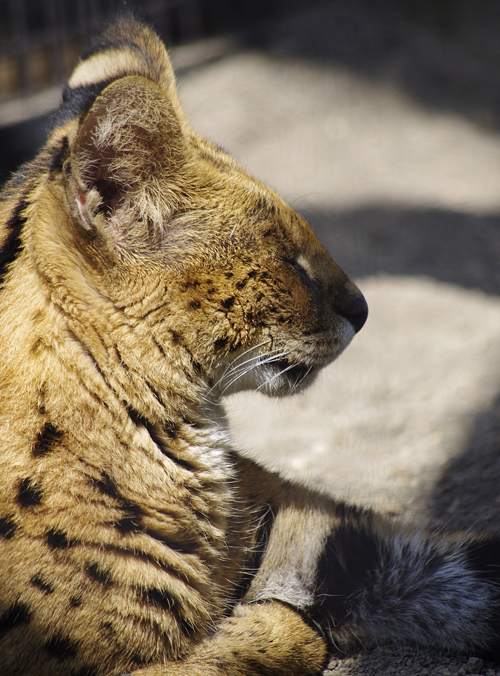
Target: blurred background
[{"x": 379, "y": 121}]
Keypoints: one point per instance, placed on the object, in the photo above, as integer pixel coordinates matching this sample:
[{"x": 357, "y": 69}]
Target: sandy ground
[{"x": 383, "y": 132}]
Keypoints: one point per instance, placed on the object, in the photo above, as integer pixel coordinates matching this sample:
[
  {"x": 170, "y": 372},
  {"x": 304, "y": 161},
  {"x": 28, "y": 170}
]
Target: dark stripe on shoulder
[
  {"x": 165, "y": 600},
  {"x": 57, "y": 539},
  {"x": 18, "y": 613},
  {"x": 12, "y": 245},
  {"x": 157, "y": 597},
  {"x": 17, "y": 220},
  {"x": 61, "y": 648},
  {"x": 95, "y": 572},
  {"x": 131, "y": 520},
  {"x": 7, "y": 527},
  {"x": 106, "y": 486}
]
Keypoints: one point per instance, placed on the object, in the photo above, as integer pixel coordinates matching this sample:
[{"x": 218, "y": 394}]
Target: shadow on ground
[
  {"x": 444, "y": 54},
  {"x": 456, "y": 248},
  {"x": 467, "y": 494}
]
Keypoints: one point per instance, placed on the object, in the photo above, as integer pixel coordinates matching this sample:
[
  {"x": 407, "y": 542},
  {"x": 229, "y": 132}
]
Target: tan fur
[{"x": 151, "y": 268}]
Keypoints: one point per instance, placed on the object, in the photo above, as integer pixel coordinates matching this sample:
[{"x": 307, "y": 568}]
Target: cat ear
[{"x": 128, "y": 155}]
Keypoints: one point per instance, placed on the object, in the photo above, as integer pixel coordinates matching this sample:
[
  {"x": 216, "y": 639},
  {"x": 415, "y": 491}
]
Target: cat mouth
[
  {"x": 295, "y": 373},
  {"x": 288, "y": 377}
]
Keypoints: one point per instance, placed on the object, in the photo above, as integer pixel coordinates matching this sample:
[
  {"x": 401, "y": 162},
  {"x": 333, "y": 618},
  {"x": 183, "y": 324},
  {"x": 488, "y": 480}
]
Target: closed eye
[{"x": 303, "y": 275}]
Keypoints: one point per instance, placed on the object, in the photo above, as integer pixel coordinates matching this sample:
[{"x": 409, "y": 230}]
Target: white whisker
[
  {"x": 231, "y": 366},
  {"x": 249, "y": 365},
  {"x": 276, "y": 375},
  {"x": 301, "y": 379}
]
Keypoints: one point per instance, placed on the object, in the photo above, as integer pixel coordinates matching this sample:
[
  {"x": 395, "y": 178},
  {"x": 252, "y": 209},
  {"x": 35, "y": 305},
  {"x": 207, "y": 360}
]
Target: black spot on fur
[
  {"x": 229, "y": 275},
  {"x": 17, "y": 614},
  {"x": 157, "y": 597},
  {"x": 130, "y": 521},
  {"x": 164, "y": 600},
  {"x": 29, "y": 493},
  {"x": 228, "y": 303},
  {"x": 195, "y": 304},
  {"x": 61, "y": 648},
  {"x": 176, "y": 337},
  {"x": 220, "y": 343},
  {"x": 40, "y": 583},
  {"x": 108, "y": 628},
  {"x": 241, "y": 284},
  {"x": 171, "y": 430},
  {"x": 46, "y": 439},
  {"x": 98, "y": 574},
  {"x": 7, "y": 527},
  {"x": 131, "y": 508},
  {"x": 56, "y": 539},
  {"x": 127, "y": 524},
  {"x": 106, "y": 486},
  {"x": 75, "y": 601}
]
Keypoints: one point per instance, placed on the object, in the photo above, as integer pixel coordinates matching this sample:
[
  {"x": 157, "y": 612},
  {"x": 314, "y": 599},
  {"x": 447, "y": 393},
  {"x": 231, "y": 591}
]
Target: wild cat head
[{"x": 162, "y": 236}]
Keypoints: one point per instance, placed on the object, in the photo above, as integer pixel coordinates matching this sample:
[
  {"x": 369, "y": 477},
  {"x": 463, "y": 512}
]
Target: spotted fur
[{"x": 143, "y": 275}]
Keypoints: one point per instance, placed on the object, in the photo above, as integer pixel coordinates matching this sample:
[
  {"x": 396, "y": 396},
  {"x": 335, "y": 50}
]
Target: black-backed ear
[{"x": 127, "y": 156}]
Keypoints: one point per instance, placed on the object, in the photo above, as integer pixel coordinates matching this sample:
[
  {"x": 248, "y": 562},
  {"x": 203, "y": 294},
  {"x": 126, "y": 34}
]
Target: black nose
[{"x": 355, "y": 311}]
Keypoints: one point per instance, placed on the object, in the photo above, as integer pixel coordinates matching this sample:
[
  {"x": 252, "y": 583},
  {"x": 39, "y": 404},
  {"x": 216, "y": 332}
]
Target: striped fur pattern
[{"x": 144, "y": 275}]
